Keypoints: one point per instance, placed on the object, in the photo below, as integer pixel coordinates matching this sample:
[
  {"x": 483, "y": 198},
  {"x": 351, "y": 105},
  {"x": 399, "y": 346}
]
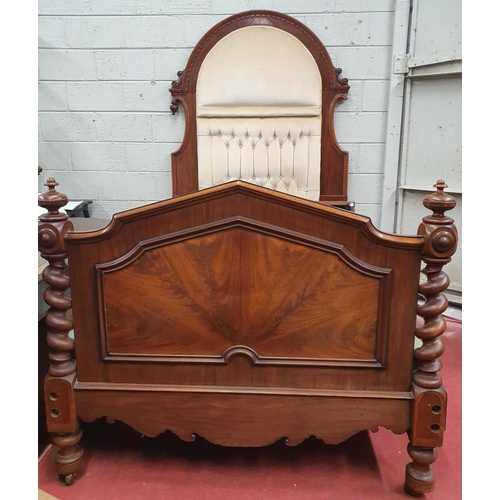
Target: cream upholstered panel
[
  {"x": 259, "y": 113},
  {"x": 274, "y": 152}
]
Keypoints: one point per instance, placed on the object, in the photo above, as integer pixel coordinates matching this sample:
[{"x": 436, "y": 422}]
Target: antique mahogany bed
[{"x": 248, "y": 308}]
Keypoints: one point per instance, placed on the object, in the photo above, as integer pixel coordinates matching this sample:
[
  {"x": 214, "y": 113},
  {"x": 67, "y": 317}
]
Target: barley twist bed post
[
  {"x": 62, "y": 422},
  {"x": 429, "y": 413}
]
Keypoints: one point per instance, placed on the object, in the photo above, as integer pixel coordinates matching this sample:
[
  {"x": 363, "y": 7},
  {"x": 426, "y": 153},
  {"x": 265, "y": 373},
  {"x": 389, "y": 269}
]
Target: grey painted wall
[{"x": 105, "y": 67}]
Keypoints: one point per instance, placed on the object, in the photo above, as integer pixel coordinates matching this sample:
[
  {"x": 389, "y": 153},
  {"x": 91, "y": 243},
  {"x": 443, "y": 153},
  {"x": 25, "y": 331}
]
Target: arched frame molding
[{"x": 334, "y": 160}]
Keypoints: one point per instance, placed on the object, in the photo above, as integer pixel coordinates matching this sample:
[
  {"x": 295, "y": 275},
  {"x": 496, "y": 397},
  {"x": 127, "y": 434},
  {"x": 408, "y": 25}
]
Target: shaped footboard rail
[{"x": 429, "y": 410}]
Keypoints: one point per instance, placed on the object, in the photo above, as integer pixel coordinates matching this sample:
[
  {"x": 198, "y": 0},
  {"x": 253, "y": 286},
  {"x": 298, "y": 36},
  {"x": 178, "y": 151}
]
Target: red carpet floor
[{"x": 119, "y": 464}]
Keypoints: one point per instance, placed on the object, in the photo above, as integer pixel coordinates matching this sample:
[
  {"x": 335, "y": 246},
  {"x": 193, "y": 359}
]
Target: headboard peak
[{"x": 303, "y": 95}]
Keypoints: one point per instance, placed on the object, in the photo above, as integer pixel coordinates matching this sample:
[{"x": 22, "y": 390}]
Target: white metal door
[{"x": 431, "y": 135}]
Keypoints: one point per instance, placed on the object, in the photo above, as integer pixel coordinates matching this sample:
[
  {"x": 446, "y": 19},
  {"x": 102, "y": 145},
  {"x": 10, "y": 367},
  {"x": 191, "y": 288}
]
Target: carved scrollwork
[
  {"x": 177, "y": 83},
  {"x": 175, "y": 89},
  {"x": 342, "y": 81}
]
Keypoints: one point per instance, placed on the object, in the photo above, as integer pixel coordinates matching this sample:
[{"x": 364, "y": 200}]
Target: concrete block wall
[{"x": 105, "y": 66}]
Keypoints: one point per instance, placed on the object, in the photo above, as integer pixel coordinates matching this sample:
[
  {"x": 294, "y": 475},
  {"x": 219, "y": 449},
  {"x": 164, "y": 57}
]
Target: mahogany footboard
[{"x": 245, "y": 316}]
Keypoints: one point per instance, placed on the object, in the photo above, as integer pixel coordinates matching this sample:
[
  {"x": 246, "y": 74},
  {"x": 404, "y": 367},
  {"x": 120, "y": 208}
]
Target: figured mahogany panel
[
  {"x": 261, "y": 221},
  {"x": 238, "y": 291}
]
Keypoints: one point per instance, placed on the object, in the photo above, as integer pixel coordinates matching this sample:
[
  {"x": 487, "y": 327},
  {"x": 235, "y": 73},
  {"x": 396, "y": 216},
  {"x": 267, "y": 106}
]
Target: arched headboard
[{"x": 259, "y": 92}]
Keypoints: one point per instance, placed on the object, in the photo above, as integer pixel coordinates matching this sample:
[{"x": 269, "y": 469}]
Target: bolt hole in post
[
  {"x": 436, "y": 409},
  {"x": 54, "y": 396},
  {"x": 55, "y": 413},
  {"x": 435, "y": 427}
]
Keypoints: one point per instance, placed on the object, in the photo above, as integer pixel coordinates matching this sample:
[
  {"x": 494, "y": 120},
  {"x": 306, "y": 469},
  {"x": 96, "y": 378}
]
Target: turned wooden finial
[
  {"x": 52, "y": 201},
  {"x": 439, "y": 232},
  {"x": 439, "y": 202}
]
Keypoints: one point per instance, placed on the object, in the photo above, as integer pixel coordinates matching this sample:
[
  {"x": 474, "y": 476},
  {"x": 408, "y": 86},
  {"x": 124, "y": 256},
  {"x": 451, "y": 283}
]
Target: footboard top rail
[{"x": 233, "y": 199}]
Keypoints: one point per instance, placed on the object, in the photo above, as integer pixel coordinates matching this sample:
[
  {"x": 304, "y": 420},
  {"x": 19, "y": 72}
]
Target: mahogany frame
[
  {"x": 334, "y": 160},
  {"x": 190, "y": 354}
]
